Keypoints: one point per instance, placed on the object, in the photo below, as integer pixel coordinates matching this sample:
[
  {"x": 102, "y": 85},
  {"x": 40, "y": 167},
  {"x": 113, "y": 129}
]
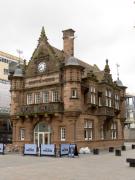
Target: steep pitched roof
[{"x": 45, "y": 50}]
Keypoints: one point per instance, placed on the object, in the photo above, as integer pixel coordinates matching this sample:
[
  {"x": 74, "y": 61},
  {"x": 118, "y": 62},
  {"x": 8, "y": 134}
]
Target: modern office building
[
  {"x": 7, "y": 62},
  {"x": 5, "y": 123},
  {"x": 129, "y": 131},
  {"x": 58, "y": 98}
]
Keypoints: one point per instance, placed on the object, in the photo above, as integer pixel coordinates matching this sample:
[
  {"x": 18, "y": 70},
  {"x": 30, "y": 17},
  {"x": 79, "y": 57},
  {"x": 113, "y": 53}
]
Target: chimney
[{"x": 68, "y": 42}]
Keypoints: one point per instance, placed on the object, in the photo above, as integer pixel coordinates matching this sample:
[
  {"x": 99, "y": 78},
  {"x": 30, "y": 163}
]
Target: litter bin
[
  {"x": 111, "y": 149},
  {"x": 123, "y": 148},
  {"x": 96, "y": 151},
  {"x": 117, "y": 152},
  {"x": 133, "y": 146}
]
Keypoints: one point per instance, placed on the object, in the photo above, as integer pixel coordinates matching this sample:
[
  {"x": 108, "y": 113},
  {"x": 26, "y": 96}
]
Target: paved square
[{"x": 105, "y": 166}]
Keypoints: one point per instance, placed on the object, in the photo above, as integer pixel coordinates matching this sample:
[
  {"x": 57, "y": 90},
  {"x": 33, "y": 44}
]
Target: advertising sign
[
  {"x": 30, "y": 149},
  {"x": 64, "y": 149},
  {"x": 47, "y": 149},
  {"x": 71, "y": 150},
  {"x": 1, "y": 148}
]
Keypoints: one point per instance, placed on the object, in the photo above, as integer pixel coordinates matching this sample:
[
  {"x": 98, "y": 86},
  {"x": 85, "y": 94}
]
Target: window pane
[
  {"x": 63, "y": 133},
  {"x": 22, "y": 134},
  {"x": 88, "y": 130},
  {"x": 29, "y": 98},
  {"x": 55, "y": 97},
  {"x": 45, "y": 97},
  {"x": 37, "y": 98},
  {"x": 74, "y": 93},
  {"x": 92, "y": 95}
]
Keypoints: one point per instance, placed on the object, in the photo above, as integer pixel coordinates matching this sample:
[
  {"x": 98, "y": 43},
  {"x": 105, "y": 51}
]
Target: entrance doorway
[
  {"x": 42, "y": 134},
  {"x": 43, "y": 138}
]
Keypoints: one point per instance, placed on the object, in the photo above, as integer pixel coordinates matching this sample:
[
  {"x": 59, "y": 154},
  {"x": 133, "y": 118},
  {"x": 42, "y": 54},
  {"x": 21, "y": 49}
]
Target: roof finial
[
  {"x": 117, "y": 65},
  {"x": 19, "y": 54},
  {"x": 43, "y": 35},
  {"x": 107, "y": 68}
]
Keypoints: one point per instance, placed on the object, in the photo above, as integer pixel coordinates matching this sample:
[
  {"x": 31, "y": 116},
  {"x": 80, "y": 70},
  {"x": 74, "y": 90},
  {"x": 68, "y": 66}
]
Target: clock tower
[{"x": 45, "y": 58}]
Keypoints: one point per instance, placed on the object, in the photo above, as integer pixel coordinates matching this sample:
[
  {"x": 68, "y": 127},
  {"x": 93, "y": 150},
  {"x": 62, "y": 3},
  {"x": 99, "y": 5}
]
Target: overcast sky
[{"x": 104, "y": 30}]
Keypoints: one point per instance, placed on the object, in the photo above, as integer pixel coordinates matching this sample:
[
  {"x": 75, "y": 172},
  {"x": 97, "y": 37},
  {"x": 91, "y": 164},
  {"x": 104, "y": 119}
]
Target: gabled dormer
[{"x": 45, "y": 59}]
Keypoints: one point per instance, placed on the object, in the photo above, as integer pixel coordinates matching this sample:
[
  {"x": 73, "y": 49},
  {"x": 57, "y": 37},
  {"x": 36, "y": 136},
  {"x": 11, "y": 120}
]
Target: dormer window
[{"x": 108, "y": 98}]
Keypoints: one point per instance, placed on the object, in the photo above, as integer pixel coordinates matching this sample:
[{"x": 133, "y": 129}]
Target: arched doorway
[{"x": 42, "y": 134}]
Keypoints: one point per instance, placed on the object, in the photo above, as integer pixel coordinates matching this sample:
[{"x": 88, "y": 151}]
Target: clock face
[{"x": 42, "y": 67}]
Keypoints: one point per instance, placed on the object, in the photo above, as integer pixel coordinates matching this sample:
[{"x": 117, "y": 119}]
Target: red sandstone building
[{"x": 58, "y": 98}]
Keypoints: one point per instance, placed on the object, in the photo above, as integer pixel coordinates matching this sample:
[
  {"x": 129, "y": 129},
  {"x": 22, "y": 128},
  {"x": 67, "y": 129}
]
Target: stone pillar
[
  {"x": 96, "y": 132},
  {"x": 14, "y": 131},
  {"x": 71, "y": 130},
  {"x": 29, "y": 130}
]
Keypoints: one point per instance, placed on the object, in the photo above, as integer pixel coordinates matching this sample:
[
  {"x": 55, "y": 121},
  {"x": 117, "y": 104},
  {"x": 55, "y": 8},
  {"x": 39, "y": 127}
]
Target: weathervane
[
  {"x": 19, "y": 53},
  {"x": 117, "y": 65}
]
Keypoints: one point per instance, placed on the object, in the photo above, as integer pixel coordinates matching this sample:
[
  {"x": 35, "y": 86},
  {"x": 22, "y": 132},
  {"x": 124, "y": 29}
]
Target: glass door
[
  {"x": 42, "y": 134},
  {"x": 43, "y": 138},
  {"x": 46, "y": 138}
]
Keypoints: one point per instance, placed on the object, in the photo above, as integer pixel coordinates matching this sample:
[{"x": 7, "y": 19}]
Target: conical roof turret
[{"x": 18, "y": 71}]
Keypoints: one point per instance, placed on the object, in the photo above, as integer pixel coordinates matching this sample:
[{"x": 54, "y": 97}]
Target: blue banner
[
  {"x": 71, "y": 150},
  {"x": 64, "y": 149},
  {"x": 1, "y": 148},
  {"x": 47, "y": 149},
  {"x": 30, "y": 149}
]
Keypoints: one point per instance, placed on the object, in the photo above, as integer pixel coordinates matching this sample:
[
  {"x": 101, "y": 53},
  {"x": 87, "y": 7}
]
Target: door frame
[{"x": 43, "y": 136}]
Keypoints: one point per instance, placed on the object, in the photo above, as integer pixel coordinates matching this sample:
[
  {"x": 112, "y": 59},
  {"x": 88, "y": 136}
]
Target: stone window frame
[
  {"x": 29, "y": 98},
  {"x": 99, "y": 98},
  {"x": 45, "y": 96},
  {"x": 62, "y": 133},
  {"x": 114, "y": 130},
  {"x": 22, "y": 134},
  {"x": 55, "y": 96},
  {"x": 117, "y": 101},
  {"x": 88, "y": 130},
  {"x": 92, "y": 90},
  {"x": 108, "y": 97},
  {"x": 37, "y": 97},
  {"x": 74, "y": 93}
]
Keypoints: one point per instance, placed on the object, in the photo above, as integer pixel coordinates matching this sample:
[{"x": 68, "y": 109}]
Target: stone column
[
  {"x": 14, "y": 130},
  {"x": 29, "y": 130},
  {"x": 71, "y": 130}
]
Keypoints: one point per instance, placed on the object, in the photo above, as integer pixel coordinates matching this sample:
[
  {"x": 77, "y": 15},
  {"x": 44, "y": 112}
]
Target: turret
[
  {"x": 16, "y": 79},
  {"x": 72, "y": 85}
]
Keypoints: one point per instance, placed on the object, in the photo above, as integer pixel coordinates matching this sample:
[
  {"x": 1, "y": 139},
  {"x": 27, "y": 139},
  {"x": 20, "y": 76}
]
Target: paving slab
[{"x": 105, "y": 166}]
